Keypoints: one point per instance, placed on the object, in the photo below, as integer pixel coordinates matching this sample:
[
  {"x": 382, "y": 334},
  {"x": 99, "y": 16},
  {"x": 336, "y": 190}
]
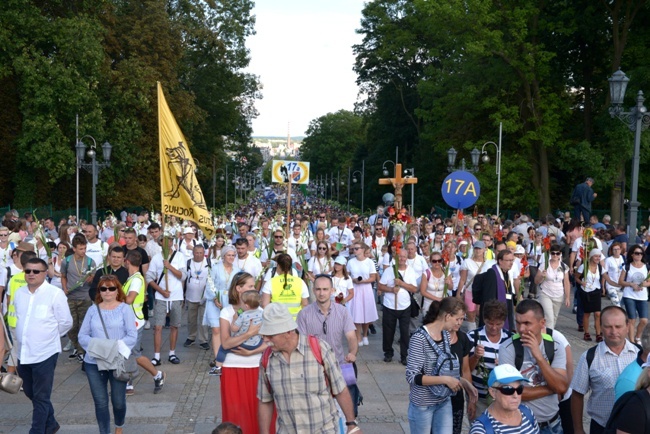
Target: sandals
[
  {"x": 174, "y": 360},
  {"x": 587, "y": 337},
  {"x": 599, "y": 338},
  {"x": 155, "y": 362}
]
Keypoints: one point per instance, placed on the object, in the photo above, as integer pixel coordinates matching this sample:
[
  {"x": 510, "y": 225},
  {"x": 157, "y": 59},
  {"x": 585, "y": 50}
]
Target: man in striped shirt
[{"x": 483, "y": 356}]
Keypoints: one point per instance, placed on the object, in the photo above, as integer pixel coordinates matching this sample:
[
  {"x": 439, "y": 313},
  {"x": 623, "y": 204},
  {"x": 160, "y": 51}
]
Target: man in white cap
[
  {"x": 186, "y": 245},
  {"x": 306, "y": 371}
]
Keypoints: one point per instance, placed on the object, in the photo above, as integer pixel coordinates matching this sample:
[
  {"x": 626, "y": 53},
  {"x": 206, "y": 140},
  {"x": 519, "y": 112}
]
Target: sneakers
[
  {"x": 129, "y": 389},
  {"x": 188, "y": 343},
  {"x": 80, "y": 358},
  {"x": 360, "y": 344},
  {"x": 147, "y": 325},
  {"x": 158, "y": 383},
  {"x": 215, "y": 372},
  {"x": 373, "y": 330},
  {"x": 204, "y": 346},
  {"x": 73, "y": 355},
  {"x": 68, "y": 347},
  {"x": 365, "y": 341}
]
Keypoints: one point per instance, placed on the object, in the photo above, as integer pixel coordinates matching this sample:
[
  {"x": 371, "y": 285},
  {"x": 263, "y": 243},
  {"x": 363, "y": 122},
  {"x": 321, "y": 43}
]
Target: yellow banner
[{"x": 180, "y": 192}]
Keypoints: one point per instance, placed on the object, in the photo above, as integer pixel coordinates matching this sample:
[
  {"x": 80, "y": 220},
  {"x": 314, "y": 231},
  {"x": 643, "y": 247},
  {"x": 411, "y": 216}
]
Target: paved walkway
[{"x": 190, "y": 401}]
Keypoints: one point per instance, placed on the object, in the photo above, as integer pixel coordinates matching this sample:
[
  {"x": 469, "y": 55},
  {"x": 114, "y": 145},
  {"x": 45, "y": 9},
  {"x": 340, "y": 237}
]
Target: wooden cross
[{"x": 398, "y": 182}]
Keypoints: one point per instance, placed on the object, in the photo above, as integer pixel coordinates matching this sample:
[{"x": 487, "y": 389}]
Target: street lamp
[
  {"x": 225, "y": 177},
  {"x": 362, "y": 174},
  {"x": 486, "y": 159},
  {"x": 93, "y": 167},
  {"x": 451, "y": 161},
  {"x": 410, "y": 173},
  {"x": 637, "y": 120},
  {"x": 383, "y": 167}
]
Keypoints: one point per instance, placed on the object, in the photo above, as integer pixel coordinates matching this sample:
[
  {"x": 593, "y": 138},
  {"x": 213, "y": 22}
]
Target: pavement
[{"x": 190, "y": 401}]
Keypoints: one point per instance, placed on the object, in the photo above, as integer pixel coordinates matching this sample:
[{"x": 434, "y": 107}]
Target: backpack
[
  {"x": 315, "y": 349},
  {"x": 446, "y": 364},
  {"x": 67, "y": 261},
  {"x": 477, "y": 287},
  {"x": 622, "y": 402},
  {"x": 549, "y": 347},
  {"x": 189, "y": 262},
  {"x": 485, "y": 419}
]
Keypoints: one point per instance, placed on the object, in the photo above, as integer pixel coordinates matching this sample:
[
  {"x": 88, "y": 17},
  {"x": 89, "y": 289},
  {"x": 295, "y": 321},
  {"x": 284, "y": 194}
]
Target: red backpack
[{"x": 315, "y": 349}]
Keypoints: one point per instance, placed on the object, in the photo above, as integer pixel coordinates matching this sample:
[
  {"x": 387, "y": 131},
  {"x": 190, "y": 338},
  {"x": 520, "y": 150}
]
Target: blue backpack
[{"x": 485, "y": 419}]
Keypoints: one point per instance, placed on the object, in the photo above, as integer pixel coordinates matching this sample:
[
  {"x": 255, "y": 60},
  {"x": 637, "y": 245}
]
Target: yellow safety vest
[
  {"x": 138, "y": 303},
  {"x": 289, "y": 294},
  {"x": 16, "y": 281}
]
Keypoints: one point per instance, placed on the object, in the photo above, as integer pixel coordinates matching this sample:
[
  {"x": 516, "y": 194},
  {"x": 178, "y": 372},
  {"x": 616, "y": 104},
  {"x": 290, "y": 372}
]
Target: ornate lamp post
[{"x": 93, "y": 167}]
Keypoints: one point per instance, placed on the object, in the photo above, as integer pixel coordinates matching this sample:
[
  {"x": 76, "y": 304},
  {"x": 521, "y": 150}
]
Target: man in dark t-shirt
[{"x": 115, "y": 266}]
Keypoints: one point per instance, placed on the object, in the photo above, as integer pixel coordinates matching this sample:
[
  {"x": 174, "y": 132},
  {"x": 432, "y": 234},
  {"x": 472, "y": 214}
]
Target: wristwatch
[{"x": 351, "y": 423}]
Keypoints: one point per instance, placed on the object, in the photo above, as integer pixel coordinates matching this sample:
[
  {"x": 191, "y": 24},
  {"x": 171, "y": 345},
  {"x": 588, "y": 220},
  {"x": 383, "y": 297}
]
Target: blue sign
[{"x": 460, "y": 189}]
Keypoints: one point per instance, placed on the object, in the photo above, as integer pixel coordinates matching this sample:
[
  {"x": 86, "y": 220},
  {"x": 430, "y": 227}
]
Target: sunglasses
[
  {"x": 556, "y": 253},
  {"x": 278, "y": 236},
  {"x": 34, "y": 271},
  {"x": 436, "y": 261},
  {"x": 509, "y": 390},
  {"x": 322, "y": 248},
  {"x": 108, "y": 288},
  {"x": 637, "y": 253}
]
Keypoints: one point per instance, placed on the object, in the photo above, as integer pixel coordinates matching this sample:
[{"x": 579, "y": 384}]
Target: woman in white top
[
  {"x": 553, "y": 285},
  {"x": 614, "y": 264},
  {"x": 342, "y": 283},
  {"x": 321, "y": 262},
  {"x": 433, "y": 282},
  {"x": 54, "y": 266},
  {"x": 590, "y": 279},
  {"x": 363, "y": 305},
  {"x": 318, "y": 237},
  {"x": 468, "y": 270},
  {"x": 239, "y": 377},
  {"x": 634, "y": 280}
]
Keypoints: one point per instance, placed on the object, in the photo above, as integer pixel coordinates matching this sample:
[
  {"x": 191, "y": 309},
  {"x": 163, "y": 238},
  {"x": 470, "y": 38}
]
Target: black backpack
[{"x": 549, "y": 348}]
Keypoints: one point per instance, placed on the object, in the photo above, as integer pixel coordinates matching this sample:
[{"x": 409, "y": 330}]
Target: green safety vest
[
  {"x": 138, "y": 303},
  {"x": 289, "y": 295},
  {"x": 17, "y": 281}
]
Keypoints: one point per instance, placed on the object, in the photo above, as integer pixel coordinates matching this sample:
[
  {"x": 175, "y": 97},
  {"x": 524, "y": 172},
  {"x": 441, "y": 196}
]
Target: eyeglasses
[
  {"x": 108, "y": 288},
  {"x": 278, "y": 236},
  {"x": 556, "y": 253},
  {"x": 4, "y": 235},
  {"x": 322, "y": 248},
  {"x": 28, "y": 271},
  {"x": 436, "y": 261},
  {"x": 509, "y": 390},
  {"x": 637, "y": 253}
]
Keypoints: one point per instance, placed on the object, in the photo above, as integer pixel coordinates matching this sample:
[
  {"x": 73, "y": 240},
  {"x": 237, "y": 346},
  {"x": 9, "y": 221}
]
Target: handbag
[
  {"x": 10, "y": 383},
  {"x": 127, "y": 368}
]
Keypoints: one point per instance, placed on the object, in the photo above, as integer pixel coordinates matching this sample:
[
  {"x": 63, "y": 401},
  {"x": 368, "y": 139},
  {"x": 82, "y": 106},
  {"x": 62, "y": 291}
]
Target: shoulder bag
[
  {"x": 10, "y": 383},
  {"x": 127, "y": 369}
]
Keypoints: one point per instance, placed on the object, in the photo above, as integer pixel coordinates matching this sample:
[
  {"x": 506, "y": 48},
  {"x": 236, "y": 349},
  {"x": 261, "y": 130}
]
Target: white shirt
[
  {"x": 403, "y": 299},
  {"x": 419, "y": 266},
  {"x": 250, "y": 264},
  {"x": 197, "y": 278},
  {"x": 152, "y": 248},
  {"x": 578, "y": 243},
  {"x": 186, "y": 250},
  {"x": 43, "y": 317},
  {"x": 97, "y": 251},
  {"x": 156, "y": 268},
  {"x": 343, "y": 236},
  {"x": 613, "y": 266}
]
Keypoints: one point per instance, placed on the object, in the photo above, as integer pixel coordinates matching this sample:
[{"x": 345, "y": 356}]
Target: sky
[{"x": 302, "y": 53}]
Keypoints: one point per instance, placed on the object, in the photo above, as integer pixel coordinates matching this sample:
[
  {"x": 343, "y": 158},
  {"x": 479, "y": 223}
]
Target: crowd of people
[{"x": 285, "y": 302}]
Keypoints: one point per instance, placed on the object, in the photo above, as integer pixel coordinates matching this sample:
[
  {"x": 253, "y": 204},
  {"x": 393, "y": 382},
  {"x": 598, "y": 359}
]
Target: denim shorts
[{"x": 632, "y": 307}]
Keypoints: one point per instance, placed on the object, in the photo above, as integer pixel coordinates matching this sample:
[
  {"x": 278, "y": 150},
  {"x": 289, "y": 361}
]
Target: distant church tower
[{"x": 289, "y": 144}]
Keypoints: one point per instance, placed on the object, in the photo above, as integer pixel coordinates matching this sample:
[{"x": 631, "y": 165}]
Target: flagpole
[{"x": 288, "y": 209}]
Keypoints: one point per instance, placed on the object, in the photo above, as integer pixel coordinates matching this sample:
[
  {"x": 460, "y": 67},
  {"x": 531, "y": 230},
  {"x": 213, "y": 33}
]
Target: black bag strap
[
  {"x": 171, "y": 258},
  {"x": 99, "y": 312}
]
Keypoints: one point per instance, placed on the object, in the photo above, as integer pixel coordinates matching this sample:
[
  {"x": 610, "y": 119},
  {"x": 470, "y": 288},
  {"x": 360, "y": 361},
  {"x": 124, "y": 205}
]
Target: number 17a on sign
[{"x": 460, "y": 189}]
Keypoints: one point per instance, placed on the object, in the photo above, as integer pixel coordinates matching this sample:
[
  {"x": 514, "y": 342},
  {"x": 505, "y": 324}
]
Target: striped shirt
[
  {"x": 490, "y": 358},
  {"x": 526, "y": 427},
  {"x": 601, "y": 378},
  {"x": 421, "y": 359},
  {"x": 303, "y": 401},
  {"x": 331, "y": 328}
]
